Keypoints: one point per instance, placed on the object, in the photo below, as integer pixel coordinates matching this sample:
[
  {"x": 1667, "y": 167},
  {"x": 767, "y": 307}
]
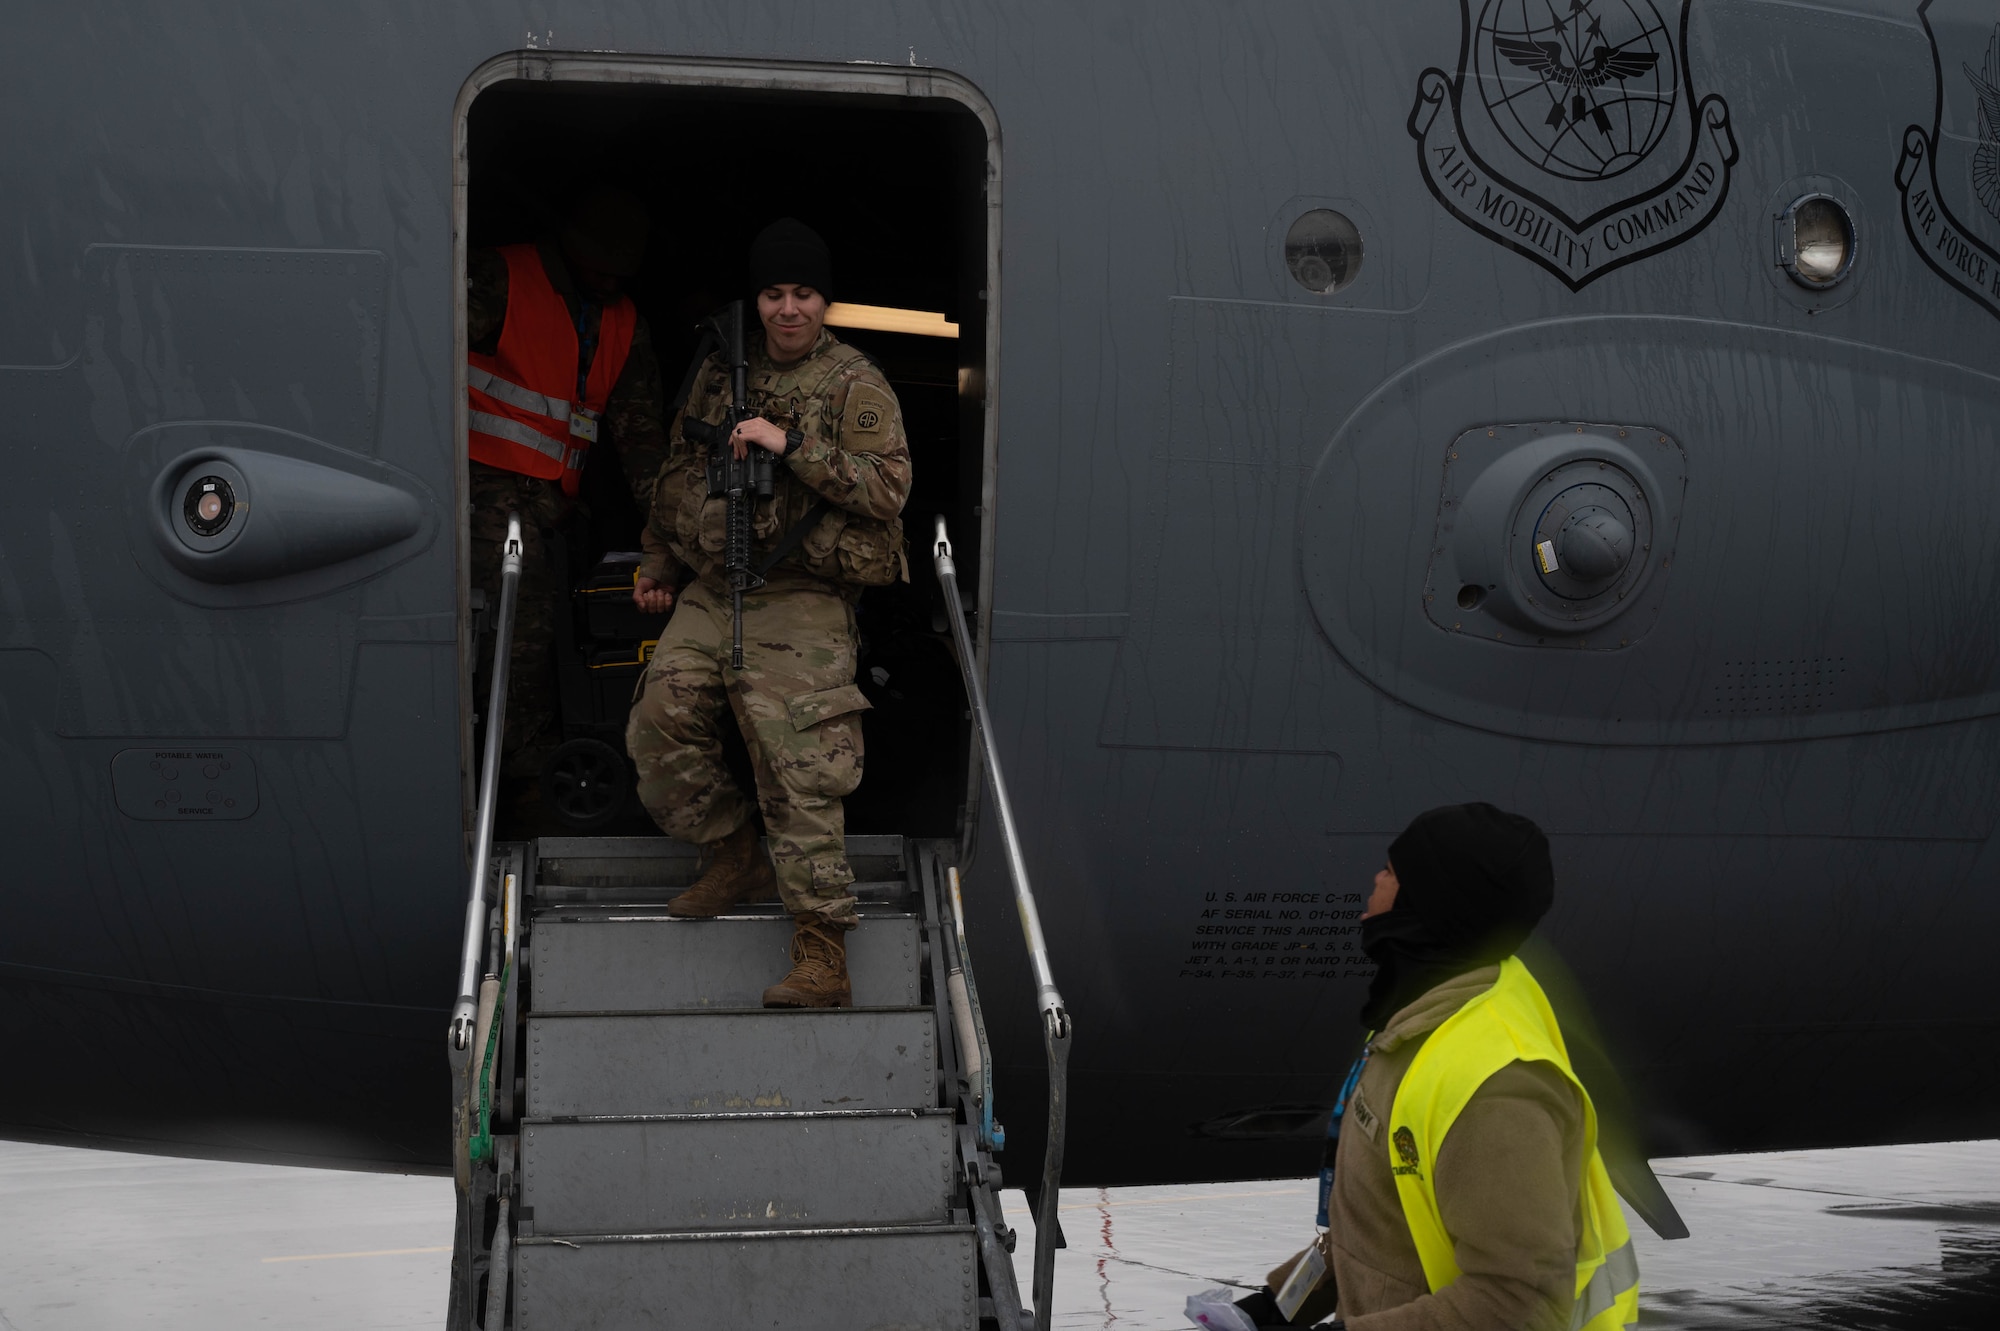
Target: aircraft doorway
[{"x": 898, "y": 186}]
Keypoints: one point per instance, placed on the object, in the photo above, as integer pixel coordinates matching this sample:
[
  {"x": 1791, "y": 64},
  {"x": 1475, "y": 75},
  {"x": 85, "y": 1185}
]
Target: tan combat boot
[
  {"x": 738, "y": 870},
  {"x": 819, "y": 968}
]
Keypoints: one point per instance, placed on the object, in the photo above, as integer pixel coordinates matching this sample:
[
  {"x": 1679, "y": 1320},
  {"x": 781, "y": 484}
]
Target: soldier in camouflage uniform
[
  {"x": 601, "y": 245},
  {"x": 832, "y": 418}
]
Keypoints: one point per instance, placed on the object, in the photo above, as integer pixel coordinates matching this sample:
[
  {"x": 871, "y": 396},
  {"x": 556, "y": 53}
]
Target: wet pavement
[
  {"x": 1901, "y": 1238},
  {"x": 107, "y": 1241},
  {"x": 1883, "y": 1239}
]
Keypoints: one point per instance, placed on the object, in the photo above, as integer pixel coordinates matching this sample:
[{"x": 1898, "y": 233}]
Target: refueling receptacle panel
[{"x": 1555, "y": 533}]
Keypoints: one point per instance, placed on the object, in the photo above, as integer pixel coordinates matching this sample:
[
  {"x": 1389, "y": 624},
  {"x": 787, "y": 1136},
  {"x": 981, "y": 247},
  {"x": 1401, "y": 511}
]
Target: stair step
[
  {"x": 799, "y": 1280},
  {"x": 718, "y": 1060},
  {"x": 617, "y": 862},
  {"x": 737, "y": 1171},
  {"x": 622, "y": 962},
  {"x": 649, "y": 894}
]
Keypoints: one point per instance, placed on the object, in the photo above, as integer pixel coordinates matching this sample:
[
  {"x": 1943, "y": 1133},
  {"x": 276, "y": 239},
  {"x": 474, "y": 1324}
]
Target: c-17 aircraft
[{"x": 1587, "y": 407}]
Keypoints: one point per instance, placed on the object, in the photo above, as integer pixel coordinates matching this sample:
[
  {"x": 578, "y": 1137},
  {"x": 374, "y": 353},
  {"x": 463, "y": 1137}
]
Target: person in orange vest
[
  {"x": 1462, "y": 1186},
  {"x": 560, "y": 365}
]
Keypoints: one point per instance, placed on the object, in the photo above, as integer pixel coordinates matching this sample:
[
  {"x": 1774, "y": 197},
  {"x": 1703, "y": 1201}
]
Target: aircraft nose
[{"x": 1595, "y": 545}]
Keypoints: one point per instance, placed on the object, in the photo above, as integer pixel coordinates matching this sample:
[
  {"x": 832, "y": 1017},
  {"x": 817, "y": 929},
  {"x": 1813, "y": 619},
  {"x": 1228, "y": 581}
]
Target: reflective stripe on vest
[
  {"x": 513, "y": 432},
  {"x": 1510, "y": 1022},
  {"x": 491, "y": 384},
  {"x": 1617, "y": 1278},
  {"x": 522, "y": 416}
]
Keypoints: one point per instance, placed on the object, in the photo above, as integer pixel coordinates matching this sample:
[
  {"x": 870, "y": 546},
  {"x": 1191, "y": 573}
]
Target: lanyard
[
  {"x": 1333, "y": 1129},
  {"x": 586, "y": 343}
]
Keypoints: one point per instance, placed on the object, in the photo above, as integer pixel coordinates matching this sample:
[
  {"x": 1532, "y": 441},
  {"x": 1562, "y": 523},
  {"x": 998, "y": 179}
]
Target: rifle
[{"x": 743, "y": 481}]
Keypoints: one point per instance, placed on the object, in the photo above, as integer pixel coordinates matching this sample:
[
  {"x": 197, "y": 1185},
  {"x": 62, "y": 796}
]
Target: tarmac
[
  {"x": 1894, "y": 1238},
  {"x": 1899, "y": 1238}
]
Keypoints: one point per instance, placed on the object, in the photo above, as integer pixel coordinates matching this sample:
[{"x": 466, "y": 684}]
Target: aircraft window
[
  {"x": 1323, "y": 250},
  {"x": 1816, "y": 241}
]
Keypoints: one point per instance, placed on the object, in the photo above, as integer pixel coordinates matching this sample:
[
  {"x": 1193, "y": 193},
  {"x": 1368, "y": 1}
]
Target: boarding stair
[{"x": 639, "y": 1143}]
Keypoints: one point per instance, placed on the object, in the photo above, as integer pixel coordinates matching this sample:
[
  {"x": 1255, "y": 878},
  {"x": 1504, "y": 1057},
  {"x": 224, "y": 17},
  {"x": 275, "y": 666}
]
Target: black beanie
[
  {"x": 1472, "y": 882},
  {"x": 790, "y": 251},
  {"x": 1478, "y": 877}
]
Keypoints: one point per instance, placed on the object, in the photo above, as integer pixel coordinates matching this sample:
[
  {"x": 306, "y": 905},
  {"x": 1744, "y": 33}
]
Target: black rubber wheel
[{"x": 586, "y": 782}]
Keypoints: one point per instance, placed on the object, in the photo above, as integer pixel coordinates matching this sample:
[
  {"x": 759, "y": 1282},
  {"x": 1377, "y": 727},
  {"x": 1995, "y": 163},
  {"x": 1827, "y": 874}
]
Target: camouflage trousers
[
  {"x": 799, "y": 711},
  {"x": 532, "y": 728}
]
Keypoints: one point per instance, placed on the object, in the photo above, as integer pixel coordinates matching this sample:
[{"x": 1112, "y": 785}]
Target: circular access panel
[{"x": 1583, "y": 540}]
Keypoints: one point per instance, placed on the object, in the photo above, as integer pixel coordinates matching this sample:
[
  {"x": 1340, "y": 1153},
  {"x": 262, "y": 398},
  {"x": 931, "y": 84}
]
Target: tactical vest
[
  {"x": 1510, "y": 1021},
  {"x": 851, "y": 549},
  {"x": 523, "y": 417}
]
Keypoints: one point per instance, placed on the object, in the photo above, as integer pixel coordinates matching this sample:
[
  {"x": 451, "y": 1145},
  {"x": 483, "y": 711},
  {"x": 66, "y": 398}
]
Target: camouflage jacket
[
  {"x": 855, "y": 455},
  {"x": 634, "y": 422}
]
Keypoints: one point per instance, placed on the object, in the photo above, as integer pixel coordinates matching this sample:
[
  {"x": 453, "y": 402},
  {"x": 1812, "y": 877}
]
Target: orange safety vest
[{"x": 523, "y": 418}]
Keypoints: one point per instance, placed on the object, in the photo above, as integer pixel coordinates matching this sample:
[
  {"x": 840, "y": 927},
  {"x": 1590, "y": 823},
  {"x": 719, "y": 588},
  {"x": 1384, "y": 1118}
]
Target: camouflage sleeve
[
  {"x": 658, "y": 561},
  {"x": 856, "y": 453},
  {"x": 657, "y": 537},
  {"x": 485, "y": 299},
  {"x": 680, "y": 450},
  {"x": 632, "y": 417}
]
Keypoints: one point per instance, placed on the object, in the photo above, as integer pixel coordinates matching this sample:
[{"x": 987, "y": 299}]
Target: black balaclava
[
  {"x": 1473, "y": 883},
  {"x": 790, "y": 251}
]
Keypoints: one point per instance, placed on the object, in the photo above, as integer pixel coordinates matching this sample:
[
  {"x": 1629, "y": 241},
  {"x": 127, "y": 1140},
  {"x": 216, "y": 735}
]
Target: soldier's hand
[
  {"x": 760, "y": 432},
  {"x": 652, "y": 597}
]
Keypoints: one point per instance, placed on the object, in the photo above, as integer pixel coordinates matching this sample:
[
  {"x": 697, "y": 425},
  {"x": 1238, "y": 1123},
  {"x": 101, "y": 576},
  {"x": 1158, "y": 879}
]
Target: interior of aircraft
[{"x": 899, "y": 195}]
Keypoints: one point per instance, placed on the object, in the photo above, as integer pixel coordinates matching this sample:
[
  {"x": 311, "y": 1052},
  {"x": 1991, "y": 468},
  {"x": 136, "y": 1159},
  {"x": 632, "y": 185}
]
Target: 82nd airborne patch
[{"x": 867, "y": 410}]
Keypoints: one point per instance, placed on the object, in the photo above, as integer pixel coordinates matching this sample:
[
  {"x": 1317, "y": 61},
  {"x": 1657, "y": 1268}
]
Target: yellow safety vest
[{"x": 1510, "y": 1021}]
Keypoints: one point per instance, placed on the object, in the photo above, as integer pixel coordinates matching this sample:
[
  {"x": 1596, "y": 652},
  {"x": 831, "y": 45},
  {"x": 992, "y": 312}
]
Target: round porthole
[
  {"x": 1816, "y": 241},
  {"x": 1323, "y": 251}
]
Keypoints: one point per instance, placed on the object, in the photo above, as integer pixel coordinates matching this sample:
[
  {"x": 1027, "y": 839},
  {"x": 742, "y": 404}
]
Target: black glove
[{"x": 1262, "y": 1309}]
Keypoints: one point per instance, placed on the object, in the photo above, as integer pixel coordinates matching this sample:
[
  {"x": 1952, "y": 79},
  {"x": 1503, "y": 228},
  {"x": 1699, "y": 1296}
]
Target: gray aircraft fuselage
[{"x": 1255, "y": 560}]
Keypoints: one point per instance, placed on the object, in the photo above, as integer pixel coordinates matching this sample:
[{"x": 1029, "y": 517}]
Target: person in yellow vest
[
  {"x": 1462, "y": 1189},
  {"x": 559, "y": 364}
]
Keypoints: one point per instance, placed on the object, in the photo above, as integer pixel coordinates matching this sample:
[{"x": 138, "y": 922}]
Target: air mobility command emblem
[
  {"x": 1571, "y": 132},
  {"x": 1949, "y": 175}
]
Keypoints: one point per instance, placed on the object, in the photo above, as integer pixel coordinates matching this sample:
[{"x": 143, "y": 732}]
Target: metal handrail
[
  {"x": 1056, "y": 1028},
  {"x": 465, "y": 1014},
  {"x": 495, "y": 1034},
  {"x": 977, "y": 1056}
]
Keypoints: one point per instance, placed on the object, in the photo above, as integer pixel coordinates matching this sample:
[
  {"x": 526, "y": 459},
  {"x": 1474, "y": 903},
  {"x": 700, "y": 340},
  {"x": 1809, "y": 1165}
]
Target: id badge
[{"x": 1291, "y": 1296}]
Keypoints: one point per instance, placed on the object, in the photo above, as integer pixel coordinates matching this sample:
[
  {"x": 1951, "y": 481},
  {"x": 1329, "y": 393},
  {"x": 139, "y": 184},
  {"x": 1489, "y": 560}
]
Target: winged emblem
[
  {"x": 1551, "y": 61},
  {"x": 1986, "y": 156}
]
